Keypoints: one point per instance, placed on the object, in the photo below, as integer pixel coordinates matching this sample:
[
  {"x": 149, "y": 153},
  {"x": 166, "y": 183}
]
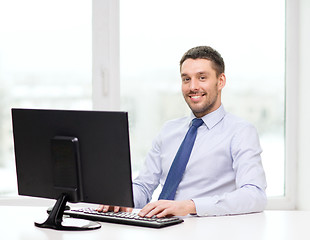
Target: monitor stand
[{"x": 55, "y": 219}]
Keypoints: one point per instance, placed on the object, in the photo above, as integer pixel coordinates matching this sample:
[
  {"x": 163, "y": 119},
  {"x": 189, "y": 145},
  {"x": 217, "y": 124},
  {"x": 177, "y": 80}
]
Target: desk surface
[{"x": 17, "y": 223}]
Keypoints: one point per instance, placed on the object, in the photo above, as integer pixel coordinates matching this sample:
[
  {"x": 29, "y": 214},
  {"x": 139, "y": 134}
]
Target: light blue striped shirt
[{"x": 224, "y": 174}]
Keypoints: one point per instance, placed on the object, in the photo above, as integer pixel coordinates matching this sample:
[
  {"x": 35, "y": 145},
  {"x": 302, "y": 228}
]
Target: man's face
[{"x": 201, "y": 87}]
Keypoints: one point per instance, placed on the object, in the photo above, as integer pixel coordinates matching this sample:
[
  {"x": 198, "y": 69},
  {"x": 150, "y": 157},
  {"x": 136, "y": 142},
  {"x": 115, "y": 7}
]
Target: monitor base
[{"x": 55, "y": 219}]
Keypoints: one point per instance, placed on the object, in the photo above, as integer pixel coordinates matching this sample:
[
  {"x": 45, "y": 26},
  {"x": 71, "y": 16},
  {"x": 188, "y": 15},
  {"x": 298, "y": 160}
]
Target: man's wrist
[{"x": 191, "y": 207}]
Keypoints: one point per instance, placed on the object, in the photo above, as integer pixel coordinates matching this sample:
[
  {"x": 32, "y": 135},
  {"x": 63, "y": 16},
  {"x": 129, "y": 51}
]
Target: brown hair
[{"x": 206, "y": 52}]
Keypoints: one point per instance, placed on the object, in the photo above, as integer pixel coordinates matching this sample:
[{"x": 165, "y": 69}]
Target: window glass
[
  {"x": 45, "y": 62},
  {"x": 250, "y": 35}
]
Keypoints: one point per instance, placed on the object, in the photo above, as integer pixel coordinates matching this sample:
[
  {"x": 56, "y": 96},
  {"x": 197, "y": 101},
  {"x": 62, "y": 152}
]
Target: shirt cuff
[{"x": 205, "y": 206}]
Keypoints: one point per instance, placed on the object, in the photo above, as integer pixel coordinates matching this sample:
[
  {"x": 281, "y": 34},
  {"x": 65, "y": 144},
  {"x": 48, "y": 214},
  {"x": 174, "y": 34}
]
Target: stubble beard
[{"x": 207, "y": 107}]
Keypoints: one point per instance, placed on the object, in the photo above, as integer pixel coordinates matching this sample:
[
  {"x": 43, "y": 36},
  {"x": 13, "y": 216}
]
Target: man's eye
[
  {"x": 202, "y": 77},
  {"x": 186, "y": 79}
]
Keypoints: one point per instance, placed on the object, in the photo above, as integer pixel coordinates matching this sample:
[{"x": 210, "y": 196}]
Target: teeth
[{"x": 195, "y": 97}]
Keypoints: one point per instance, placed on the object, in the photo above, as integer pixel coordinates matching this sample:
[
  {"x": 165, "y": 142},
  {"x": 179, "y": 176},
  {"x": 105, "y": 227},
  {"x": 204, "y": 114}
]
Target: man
[{"x": 224, "y": 173}]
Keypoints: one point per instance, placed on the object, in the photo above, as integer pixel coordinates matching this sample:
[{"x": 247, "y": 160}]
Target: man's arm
[{"x": 247, "y": 199}]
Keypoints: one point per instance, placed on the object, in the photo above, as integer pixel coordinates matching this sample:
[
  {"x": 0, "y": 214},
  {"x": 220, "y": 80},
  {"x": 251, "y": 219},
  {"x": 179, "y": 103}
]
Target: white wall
[{"x": 303, "y": 163}]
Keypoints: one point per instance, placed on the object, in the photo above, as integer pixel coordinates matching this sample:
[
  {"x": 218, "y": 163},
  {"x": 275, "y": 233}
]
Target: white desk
[{"x": 17, "y": 223}]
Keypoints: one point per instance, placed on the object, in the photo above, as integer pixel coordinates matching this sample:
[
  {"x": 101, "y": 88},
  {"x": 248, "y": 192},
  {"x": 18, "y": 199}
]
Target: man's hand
[
  {"x": 107, "y": 208},
  {"x": 164, "y": 208}
]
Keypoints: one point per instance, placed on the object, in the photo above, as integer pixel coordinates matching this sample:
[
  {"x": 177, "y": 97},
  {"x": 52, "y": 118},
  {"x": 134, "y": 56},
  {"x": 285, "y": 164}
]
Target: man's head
[{"x": 203, "y": 78}]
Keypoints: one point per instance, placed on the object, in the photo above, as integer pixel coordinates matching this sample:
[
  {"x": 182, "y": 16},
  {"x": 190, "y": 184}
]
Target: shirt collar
[{"x": 212, "y": 118}]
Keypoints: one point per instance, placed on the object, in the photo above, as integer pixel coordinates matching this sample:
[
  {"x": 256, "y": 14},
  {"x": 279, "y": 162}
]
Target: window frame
[
  {"x": 289, "y": 200},
  {"x": 106, "y": 55}
]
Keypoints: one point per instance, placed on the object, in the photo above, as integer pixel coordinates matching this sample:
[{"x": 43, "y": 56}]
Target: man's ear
[{"x": 221, "y": 81}]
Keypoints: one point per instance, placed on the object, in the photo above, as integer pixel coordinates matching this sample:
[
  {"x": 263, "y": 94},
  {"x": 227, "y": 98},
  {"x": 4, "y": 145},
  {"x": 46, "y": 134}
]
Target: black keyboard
[{"x": 122, "y": 218}]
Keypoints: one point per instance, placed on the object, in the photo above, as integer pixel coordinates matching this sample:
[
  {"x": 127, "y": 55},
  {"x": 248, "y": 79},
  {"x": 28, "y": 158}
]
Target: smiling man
[{"x": 208, "y": 163}]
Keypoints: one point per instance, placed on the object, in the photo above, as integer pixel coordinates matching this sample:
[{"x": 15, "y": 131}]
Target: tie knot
[{"x": 197, "y": 122}]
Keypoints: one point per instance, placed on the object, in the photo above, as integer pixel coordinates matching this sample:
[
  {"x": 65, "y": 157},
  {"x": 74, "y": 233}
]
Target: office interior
[{"x": 297, "y": 100}]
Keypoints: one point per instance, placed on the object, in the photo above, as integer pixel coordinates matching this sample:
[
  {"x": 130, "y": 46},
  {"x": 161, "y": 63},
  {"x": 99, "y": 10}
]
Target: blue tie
[{"x": 180, "y": 161}]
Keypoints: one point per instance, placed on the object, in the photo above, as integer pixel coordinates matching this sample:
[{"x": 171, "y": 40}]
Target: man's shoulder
[
  {"x": 177, "y": 122},
  {"x": 236, "y": 122}
]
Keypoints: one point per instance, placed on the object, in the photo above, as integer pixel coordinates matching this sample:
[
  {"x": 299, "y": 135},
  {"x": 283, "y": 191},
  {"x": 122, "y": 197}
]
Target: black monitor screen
[{"x": 83, "y": 154}]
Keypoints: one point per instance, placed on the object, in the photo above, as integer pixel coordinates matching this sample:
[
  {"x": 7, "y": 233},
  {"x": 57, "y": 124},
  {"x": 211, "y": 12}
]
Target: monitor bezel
[{"x": 104, "y": 151}]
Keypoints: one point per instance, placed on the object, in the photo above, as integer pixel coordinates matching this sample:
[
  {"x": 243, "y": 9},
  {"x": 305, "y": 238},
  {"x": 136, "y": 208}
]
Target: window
[
  {"x": 250, "y": 35},
  {"x": 45, "y": 62},
  {"x": 136, "y": 69}
]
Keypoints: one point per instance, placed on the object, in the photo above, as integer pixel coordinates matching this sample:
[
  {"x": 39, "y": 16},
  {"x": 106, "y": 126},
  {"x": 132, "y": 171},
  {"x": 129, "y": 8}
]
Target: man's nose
[{"x": 194, "y": 84}]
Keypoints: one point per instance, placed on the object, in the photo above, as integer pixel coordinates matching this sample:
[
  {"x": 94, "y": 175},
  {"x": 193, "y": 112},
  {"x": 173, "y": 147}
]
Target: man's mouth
[{"x": 195, "y": 97}]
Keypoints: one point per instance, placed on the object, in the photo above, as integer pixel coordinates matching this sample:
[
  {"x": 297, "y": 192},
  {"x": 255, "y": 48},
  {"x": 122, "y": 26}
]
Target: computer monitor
[{"x": 72, "y": 156}]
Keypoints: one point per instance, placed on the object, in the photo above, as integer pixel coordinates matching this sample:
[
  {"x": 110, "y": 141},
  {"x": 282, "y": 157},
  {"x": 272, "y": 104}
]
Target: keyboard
[{"x": 128, "y": 218}]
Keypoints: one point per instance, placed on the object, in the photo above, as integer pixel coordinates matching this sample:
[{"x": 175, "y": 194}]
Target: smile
[{"x": 196, "y": 97}]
